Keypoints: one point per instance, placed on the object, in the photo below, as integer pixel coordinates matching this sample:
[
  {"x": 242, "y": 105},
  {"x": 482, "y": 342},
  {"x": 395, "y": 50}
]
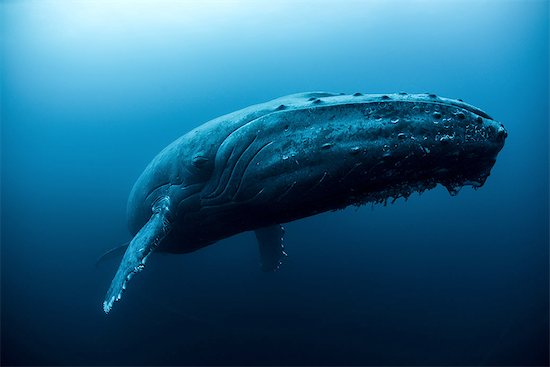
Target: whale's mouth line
[
  {"x": 155, "y": 189},
  {"x": 404, "y": 190}
]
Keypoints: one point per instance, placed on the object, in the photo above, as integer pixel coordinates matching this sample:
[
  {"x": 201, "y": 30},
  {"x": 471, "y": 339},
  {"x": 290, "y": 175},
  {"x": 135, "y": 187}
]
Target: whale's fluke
[
  {"x": 141, "y": 246},
  {"x": 115, "y": 252}
]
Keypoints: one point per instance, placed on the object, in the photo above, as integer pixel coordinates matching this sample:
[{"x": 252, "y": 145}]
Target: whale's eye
[{"x": 199, "y": 161}]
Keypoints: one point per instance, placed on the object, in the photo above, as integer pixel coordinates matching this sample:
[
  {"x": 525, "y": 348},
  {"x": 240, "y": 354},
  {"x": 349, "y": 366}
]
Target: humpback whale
[{"x": 296, "y": 156}]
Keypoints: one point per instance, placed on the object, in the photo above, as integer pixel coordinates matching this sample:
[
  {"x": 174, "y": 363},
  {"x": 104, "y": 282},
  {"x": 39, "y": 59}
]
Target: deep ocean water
[{"x": 91, "y": 91}]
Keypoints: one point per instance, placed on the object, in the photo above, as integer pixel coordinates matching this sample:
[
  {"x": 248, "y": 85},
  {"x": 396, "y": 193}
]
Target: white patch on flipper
[{"x": 108, "y": 305}]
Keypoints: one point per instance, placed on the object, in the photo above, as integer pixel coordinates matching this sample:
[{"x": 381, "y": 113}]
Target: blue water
[{"x": 91, "y": 91}]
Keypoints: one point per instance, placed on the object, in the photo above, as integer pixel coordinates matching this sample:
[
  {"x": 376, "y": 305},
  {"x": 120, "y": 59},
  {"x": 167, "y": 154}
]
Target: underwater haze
[{"x": 93, "y": 90}]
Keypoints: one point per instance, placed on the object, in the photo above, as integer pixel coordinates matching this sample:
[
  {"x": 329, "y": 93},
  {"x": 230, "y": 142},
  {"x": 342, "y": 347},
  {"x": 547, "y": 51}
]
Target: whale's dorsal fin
[
  {"x": 270, "y": 241},
  {"x": 141, "y": 246}
]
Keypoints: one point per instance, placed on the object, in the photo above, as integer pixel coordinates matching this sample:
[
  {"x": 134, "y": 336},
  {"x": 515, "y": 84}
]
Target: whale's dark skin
[{"x": 297, "y": 156}]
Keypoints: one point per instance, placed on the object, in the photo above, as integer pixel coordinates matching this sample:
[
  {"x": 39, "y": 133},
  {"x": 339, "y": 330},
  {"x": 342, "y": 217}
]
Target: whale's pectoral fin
[
  {"x": 141, "y": 246},
  {"x": 270, "y": 241}
]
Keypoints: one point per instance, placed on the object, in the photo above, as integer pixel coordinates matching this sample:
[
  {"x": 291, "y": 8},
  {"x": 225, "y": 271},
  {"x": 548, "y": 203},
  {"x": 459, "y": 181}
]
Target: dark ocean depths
[{"x": 92, "y": 90}]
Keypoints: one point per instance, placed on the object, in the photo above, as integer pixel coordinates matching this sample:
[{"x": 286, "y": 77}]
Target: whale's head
[
  {"x": 438, "y": 140},
  {"x": 327, "y": 150},
  {"x": 408, "y": 143}
]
